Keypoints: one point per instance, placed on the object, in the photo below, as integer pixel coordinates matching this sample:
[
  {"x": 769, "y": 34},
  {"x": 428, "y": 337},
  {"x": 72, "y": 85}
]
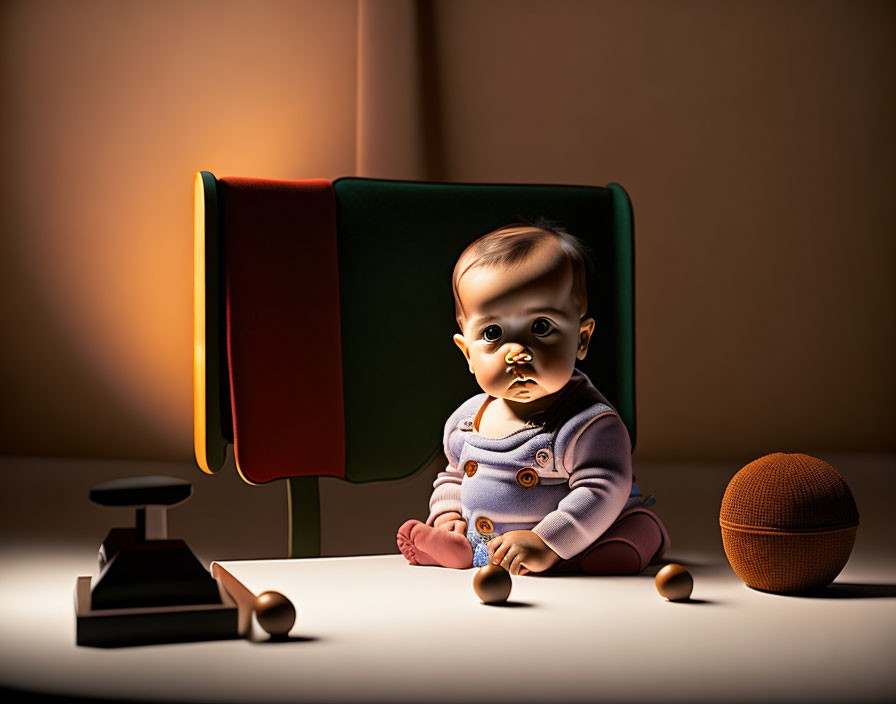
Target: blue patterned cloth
[{"x": 480, "y": 549}]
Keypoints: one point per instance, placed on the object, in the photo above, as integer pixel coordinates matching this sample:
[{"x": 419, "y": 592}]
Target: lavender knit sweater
[{"x": 578, "y": 449}]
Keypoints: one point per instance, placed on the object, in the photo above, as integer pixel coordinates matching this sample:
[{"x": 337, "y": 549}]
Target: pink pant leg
[{"x": 636, "y": 539}]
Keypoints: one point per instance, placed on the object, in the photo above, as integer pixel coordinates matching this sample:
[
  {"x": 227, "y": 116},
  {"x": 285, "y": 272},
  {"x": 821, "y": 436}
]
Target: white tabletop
[
  {"x": 404, "y": 632},
  {"x": 377, "y": 629}
]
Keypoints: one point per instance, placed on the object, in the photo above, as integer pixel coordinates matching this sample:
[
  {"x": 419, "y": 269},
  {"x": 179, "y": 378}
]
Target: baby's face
[{"x": 522, "y": 332}]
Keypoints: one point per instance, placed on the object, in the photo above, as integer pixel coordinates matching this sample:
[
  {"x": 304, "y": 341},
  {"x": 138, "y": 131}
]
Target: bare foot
[{"x": 424, "y": 545}]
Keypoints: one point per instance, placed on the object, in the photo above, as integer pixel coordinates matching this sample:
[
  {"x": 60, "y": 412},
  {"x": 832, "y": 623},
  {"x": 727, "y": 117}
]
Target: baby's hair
[{"x": 514, "y": 243}]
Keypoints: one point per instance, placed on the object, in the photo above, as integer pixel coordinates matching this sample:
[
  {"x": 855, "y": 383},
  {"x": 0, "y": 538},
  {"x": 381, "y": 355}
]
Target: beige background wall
[{"x": 755, "y": 139}]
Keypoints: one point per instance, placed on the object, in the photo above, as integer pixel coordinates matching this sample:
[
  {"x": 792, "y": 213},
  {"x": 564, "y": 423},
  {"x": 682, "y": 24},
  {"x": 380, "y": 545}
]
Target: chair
[{"x": 323, "y": 309}]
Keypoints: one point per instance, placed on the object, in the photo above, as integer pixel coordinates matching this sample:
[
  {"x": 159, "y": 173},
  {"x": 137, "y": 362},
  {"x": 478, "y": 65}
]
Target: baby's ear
[
  {"x": 461, "y": 342},
  {"x": 586, "y": 329}
]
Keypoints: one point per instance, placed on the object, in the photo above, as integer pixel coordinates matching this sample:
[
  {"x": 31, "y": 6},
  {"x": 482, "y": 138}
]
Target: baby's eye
[
  {"x": 542, "y": 327},
  {"x": 492, "y": 333}
]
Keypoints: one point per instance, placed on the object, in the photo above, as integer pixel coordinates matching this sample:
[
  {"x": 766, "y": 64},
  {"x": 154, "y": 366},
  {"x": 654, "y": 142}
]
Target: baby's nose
[{"x": 517, "y": 354}]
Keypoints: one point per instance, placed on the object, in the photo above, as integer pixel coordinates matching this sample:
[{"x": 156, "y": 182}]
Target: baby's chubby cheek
[{"x": 491, "y": 375}]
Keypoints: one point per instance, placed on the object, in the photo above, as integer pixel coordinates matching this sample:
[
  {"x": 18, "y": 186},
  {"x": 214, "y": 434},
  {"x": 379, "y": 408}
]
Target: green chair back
[{"x": 401, "y": 374}]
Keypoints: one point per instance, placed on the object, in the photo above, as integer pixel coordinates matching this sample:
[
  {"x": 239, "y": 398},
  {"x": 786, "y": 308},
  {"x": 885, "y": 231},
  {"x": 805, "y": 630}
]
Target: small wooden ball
[
  {"x": 492, "y": 584},
  {"x": 275, "y": 613},
  {"x": 674, "y": 582}
]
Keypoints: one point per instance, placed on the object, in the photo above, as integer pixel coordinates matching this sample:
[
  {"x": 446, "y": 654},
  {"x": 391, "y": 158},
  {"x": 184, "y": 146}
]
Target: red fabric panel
[{"x": 283, "y": 341}]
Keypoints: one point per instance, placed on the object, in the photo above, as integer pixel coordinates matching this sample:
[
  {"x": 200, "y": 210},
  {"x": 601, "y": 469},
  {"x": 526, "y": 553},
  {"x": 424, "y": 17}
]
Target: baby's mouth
[
  {"x": 519, "y": 376},
  {"x": 522, "y": 380}
]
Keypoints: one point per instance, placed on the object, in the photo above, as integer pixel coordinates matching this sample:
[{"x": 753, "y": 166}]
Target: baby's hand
[
  {"x": 452, "y": 522},
  {"x": 521, "y": 551}
]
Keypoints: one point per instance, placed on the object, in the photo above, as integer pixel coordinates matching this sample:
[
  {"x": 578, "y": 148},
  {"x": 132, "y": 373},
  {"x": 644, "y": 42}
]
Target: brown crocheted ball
[{"x": 788, "y": 523}]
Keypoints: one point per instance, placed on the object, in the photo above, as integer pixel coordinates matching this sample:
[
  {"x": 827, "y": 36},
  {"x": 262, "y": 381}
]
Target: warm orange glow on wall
[
  {"x": 96, "y": 286},
  {"x": 199, "y": 414}
]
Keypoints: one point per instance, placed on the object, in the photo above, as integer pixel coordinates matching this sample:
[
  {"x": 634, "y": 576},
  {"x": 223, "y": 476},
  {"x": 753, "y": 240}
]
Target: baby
[{"x": 539, "y": 473}]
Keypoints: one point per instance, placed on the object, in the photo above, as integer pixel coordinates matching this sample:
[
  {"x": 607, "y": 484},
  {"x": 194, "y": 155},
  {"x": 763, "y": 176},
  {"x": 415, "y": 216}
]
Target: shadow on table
[
  {"x": 649, "y": 572},
  {"x": 511, "y": 604},
  {"x": 277, "y": 640},
  {"x": 701, "y": 562},
  {"x": 705, "y": 567},
  {"x": 849, "y": 590},
  {"x": 12, "y": 694}
]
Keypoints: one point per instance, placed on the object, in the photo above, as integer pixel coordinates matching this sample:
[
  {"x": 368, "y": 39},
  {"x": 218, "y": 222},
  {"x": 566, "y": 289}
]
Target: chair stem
[{"x": 303, "y": 495}]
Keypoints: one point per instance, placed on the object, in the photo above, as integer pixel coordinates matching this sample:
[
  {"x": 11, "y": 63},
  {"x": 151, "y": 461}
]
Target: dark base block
[{"x": 112, "y": 628}]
